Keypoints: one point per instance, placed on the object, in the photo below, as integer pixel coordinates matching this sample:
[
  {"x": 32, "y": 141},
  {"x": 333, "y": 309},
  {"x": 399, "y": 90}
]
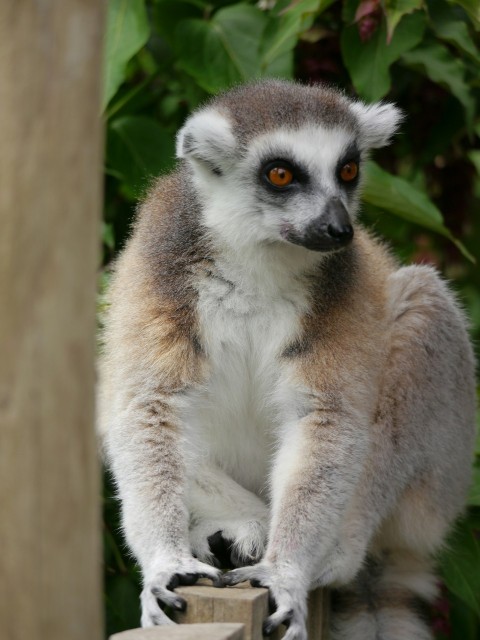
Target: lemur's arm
[
  {"x": 315, "y": 474},
  {"x": 144, "y": 447},
  {"x": 150, "y": 362}
]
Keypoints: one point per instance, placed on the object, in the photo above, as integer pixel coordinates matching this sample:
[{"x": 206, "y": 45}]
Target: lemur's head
[{"x": 279, "y": 162}]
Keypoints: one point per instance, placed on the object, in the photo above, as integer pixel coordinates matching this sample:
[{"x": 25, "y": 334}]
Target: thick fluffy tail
[{"x": 386, "y": 601}]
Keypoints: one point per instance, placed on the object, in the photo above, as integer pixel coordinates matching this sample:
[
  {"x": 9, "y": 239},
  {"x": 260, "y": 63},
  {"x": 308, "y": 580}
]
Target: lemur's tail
[{"x": 386, "y": 601}]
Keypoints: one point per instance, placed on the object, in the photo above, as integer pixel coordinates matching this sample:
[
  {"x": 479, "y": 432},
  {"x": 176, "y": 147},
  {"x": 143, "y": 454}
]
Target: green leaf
[
  {"x": 437, "y": 63},
  {"x": 279, "y": 39},
  {"x": 127, "y": 32},
  {"x": 130, "y": 99},
  {"x": 397, "y": 196},
  {"x": 167, "y": 14},
  {"x": 286, "y": 24},
  {"x": 472, "y": 7},
  {"x": 460, "y": 565},
  {"x": 464, "y": 621},
  {"x": 138, "y": 149},
  {"x": 474, "y": 157},
  {"x": 396, "y": 9},
  {"x": 448, "y": 27},
  {"x": 224, "y": 50},
  {"x": 282, "y": 32},
  {"x": 369, "y": 62}
]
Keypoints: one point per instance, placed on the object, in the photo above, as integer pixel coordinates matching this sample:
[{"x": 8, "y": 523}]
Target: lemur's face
[
  {"x": 288, "y": 185},
  {"x": 303, "y": 186}
]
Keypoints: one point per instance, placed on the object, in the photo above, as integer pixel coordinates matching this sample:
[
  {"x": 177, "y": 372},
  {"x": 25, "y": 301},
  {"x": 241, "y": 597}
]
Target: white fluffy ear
[
  {"x": 207, "y": 137},
  {"x": 378, "y": 122}
]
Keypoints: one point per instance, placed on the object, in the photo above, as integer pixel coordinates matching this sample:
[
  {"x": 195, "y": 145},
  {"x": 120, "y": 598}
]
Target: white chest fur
[{"x": 244, "y": 327}]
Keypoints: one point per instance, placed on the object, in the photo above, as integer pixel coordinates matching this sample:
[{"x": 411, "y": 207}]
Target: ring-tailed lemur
[{"x": 271, "y": 373}]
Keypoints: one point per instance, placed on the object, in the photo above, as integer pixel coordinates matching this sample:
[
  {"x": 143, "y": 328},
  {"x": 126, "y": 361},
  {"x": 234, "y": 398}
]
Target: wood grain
[
  {"x": 246, "y": 605},
  {"x": 50, "y": 202},
  {"x": 185, "y": 632}
]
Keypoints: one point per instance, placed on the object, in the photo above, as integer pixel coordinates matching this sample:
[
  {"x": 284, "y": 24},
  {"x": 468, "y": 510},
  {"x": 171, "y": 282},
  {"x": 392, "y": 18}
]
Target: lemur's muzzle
[{"x": 331, "y": 230}]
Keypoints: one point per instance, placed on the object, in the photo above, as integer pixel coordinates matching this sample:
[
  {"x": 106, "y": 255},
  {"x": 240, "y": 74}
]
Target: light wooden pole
[{"x": 50, "y": 201}]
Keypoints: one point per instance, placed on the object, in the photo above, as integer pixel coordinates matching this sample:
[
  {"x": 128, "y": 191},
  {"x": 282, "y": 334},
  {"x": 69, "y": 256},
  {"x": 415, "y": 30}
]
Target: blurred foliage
[{"x": 165, "y": 57}]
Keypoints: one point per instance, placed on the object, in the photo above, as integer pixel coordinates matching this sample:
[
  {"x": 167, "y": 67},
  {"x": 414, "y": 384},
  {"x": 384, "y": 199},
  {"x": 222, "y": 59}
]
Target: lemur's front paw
[
  {"x": 288, "y": 593},
  {"x": 159, "y": 584},
  {"x": 232, "y": 543}
]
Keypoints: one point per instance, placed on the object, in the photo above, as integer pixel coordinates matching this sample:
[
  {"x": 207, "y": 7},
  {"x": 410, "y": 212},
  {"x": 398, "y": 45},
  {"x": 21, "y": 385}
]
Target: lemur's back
[{"x": 272, "y": 375}]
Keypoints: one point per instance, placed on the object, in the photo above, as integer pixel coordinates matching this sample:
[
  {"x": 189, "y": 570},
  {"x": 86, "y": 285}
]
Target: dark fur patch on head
[{"x": 263, "y": 106}]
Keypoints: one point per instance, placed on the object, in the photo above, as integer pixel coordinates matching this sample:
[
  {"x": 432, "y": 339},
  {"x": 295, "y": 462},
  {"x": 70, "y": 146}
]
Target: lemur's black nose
[
  {"x": 337, "y": 223},
  {"x": 342, "y": 233},
  {"x": 330, "y": 231}
]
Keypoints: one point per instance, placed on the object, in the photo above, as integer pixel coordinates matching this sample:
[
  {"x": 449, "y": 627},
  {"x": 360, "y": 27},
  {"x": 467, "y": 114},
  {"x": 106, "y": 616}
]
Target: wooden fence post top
[
  {"x": 208, "y": 631},
  {"x": 247, "y": 605},
  {"x": 240, "y": 592},
  {"x": 242, "y": 604}
]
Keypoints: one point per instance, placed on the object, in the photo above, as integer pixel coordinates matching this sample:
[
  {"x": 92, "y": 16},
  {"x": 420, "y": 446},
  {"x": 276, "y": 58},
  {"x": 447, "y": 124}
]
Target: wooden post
[
  {"x": 50, "y": 201},
  {"x": 248, "y": 606},
  {"x": 211, "y": 614},
  {"x": 242, "y": 604},
  {"x": 185, "y": 632}
]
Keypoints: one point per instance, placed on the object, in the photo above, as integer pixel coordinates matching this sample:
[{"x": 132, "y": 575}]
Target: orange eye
[
  {"x": 280, "y": 176},
  {"x": 349, "y": 171}
]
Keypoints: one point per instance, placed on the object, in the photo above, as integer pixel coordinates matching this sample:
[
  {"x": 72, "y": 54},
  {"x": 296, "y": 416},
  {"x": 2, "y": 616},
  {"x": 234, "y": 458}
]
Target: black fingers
[
  {"x": 174, "y": 582},
  {"x": 184, "y": 580},
  {"x": 179, "y": 604},
  {"x": 234, "y": 577},
  {"x": 268, "y": 628},
  {"x": 257, "y": 583},
  {"x": 166, "y": 597},
  {"x": 187, "y": 579}
]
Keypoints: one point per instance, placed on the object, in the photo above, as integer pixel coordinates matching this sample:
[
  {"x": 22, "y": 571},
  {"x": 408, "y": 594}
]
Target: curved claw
[
  {"x": 158, "y": 591},
  {"x": 174, "y": 582},
  {"x": 287, "y": 597}
]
